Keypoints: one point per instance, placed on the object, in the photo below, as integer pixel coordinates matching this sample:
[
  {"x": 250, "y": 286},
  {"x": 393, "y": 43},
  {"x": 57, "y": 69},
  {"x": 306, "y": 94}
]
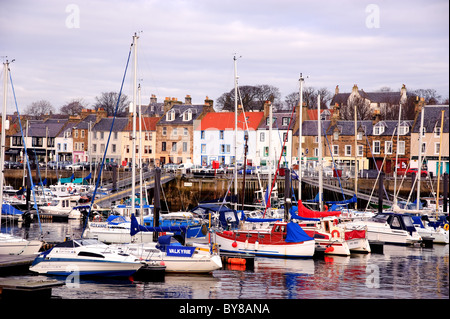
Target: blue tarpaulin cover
[
  {"x": 136, "y": 228},
  {"x": 295, "y": 234}
]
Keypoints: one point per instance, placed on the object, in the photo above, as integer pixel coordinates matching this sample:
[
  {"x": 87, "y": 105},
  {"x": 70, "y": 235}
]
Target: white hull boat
[
  {"x": 12, "y": 245},
  {"x": 85, "y": 257},
  {"x": 395, "y": 229}
]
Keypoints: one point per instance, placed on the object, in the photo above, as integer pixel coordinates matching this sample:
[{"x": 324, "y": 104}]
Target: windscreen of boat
[
  {"x": 380, "y": 218},
  {"x": 90, "y": 242},
  {"x": 90, "y": 254},
  {"x": 229, "y": 216}
]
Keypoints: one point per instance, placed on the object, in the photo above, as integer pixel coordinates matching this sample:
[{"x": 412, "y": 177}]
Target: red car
[{"x": 411, "y": 171}]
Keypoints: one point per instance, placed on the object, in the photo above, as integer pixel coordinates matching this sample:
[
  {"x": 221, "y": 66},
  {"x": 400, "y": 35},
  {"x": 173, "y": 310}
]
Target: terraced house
[{"x": 174, "y": 131}]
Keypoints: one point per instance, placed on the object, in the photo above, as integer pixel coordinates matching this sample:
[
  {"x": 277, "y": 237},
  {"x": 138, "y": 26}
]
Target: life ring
[
  {"x": 335, "y": 231},
  {"x": 335, "y": 221},
  {"x": 69, "y": 189},
  {"x": 446, "y": 227}
]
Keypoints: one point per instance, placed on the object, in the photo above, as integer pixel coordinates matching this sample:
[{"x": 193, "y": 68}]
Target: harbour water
[{"x": 398, "y": 273}]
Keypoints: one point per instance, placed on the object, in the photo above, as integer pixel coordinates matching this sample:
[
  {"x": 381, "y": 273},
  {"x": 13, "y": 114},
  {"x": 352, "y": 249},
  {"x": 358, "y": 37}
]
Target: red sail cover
[{"x": 306, "y": 212}]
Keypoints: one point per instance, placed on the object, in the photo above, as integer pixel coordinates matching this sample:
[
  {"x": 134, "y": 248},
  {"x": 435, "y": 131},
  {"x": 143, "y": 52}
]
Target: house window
[
  {"x": 164, "y": 131},
  {"x": 388, "y": 147},
  {"x": 336, "y": 136},
  {"x": 359, "y": 136},
  {"x": 102, "y": 135},
  {"x": 113, "y": 148},
  {"x": 127, "y": 149},
  {"x": 266, "y": 151},
  {"x": 376, "y": 147},
  {"x": 437, "y": 131},
  {"x": 401, "y": 148},
  {"x": 170, "y": 116},
  {"x": 262, "y": 137},
  {"x": 58, "y": 146},
  {"x": 175, "y": 132},
  {"x": 285, "y": 121},
  {"x": 202, "y": 135},
  {"x": 116, "y": 135},
  {"x": 187, "y": 115},
  {"x": 94, "y": 148},
  {"x": 102, "y": 148},
  {"x": 316, "y": 152},
  {"x": 424, "y": 131},
  {"x": 203, "y": 148},
  {"x": 424, "y": 147},
  {"x": 95, "y": 135},
  {"x": 274, "y": 119},
  {"x": 222, "y": 148},
  {"x": 82, "y": 133},
  {"x": 437, "y": 147},
  {"x": 75, "y": 133},
  {"x": 360, "y": 150},
  {"x": 285, "y": 137},
  {"x": 185, "y": 131},
  {"x": 378, "y": 129},
  {"x": 163, "y": 146},
  {"x": 404, "y": 129},
  {"x": 316, "y": 139},
  {"x": 174, "y": 146},
  {"x": 146, "y": 147},
  {"x": 348, "y": 150},
  {"x": 336, "y": 150},
  {"x": 221, "y": 135},
  {"x": 185, "y": 146}
]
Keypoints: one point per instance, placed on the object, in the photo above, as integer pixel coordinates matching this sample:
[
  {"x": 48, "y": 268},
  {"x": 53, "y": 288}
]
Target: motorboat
[
  {"x": 194, "y": 226},
  {"x": 431, "y": 229},
  {"x": 14, "y": 245},
  {"x": 85, "y": 257},
  {"x": 62, "y": 207},
  {"x": 172, "y": 252},
  {"x": 390, "y": 228},
  {"x": 282, "y": 240}
]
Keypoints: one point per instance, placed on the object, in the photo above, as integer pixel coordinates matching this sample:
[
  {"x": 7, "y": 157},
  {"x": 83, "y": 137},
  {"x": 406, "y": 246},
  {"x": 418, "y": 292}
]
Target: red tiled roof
[{"x": 225, "y": 121}]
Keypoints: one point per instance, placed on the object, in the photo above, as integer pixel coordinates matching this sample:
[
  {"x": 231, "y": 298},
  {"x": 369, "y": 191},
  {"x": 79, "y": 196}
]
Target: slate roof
[
  {"x": 278, "y": 124},
  {"x": 38, "y": 128},
  {"x": 309, "y": 128},
  {"x": 105, "y": 124},
  {"x": 84, "y": 124},
  {"x": 432, "y": 116},
  {"x": 374, "y": 97},
  {"x": 179, "y": 109}
]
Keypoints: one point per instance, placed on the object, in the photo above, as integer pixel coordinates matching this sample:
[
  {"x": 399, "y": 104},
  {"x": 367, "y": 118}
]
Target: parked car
[
  {"x": 170, "y": 167},
  {"x": 74, "y": 167},
  {"x": 411, "y": 171},
  {"x": 248, "y": 170}
]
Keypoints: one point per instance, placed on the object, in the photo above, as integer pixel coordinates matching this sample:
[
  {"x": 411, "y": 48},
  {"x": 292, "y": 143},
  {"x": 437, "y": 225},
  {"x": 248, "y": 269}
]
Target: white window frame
[
  {"x": 348, "y": 150},
  {"x": 388, "y": 146},
  {"x": 378, "y": 146},
  {"x": 401, "y": 148}
]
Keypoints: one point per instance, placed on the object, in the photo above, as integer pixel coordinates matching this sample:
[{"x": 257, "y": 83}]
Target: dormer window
[
  {"x": 187, "y": 115},
  {"x": 378, "y": 129},
  {"x": 403, "y": 129},
  {"x": 437, "y": 130},
  {"x": 170, "y": 116}
]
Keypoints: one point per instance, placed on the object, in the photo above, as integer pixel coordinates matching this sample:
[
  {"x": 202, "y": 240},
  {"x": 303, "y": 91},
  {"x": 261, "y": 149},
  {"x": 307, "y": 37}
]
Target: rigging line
[
  {"x": 25, "y": 150},
  {"x": 332, "y": 159},
  {"x": 279, "y": 160},
  {"x": 107, "y": 144}
]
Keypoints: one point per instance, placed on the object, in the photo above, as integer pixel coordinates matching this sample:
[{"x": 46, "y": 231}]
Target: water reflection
[{"x": 401, "y": 272}]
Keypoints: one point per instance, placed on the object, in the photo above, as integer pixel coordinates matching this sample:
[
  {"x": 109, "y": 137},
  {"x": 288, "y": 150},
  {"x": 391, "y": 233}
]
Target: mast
[
  {"x": 3, "y": 131},
  {"x": 319, "y": 133},
  {"x": 300, "y": 137},
  {"x": 356, "y": 157},
  {"x": 439, "y": 165},
  {"x": 133, "y": 109},
  {"x": 419, "y": 169},
  {"x": 396, "y": 155},
  {"x": 141, "y": 209},
  {"x": 235, "y": 130},
  {"x": 269, "y": 184}
]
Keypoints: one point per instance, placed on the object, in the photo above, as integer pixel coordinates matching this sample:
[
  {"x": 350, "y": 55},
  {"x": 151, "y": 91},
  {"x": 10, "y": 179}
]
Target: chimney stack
[
  {"x": 188, "y": 99},
  {"x": 267, "y": 105},
  {"x": 153, "y": 99},
  {"x": 336, "y": 90},
  {"x": 209, "y": 102}
]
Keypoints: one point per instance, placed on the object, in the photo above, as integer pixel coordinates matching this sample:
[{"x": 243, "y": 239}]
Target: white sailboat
[{"x": 10, "y": 244}]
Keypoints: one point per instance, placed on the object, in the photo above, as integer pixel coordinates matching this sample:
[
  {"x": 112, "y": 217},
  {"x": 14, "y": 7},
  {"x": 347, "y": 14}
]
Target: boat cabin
[{"x": 396, "y": 221}]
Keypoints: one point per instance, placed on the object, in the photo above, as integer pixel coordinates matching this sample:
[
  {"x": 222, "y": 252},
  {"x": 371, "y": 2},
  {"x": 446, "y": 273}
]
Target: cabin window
[
  {"x": 396, "y": 222},
  {"x": 90, "y": 254}
]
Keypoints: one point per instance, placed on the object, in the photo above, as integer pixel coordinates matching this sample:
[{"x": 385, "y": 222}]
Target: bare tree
[
  {"x": 253, "y": 97},
  {"x": 309, "y": 98},
  {"x": 73, "y": 107},
  {"x": 39, "y": 108},
  {"x": 347, "y": 111},
  {"x": 108, "y": 101}
]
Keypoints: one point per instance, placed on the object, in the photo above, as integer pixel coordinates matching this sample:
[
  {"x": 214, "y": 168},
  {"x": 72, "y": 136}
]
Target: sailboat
[{"x": 10, "y": 244}]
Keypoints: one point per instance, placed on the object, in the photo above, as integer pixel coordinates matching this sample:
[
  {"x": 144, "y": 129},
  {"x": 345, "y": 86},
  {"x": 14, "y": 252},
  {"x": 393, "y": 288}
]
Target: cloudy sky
[{"x": 66, "y": 50}]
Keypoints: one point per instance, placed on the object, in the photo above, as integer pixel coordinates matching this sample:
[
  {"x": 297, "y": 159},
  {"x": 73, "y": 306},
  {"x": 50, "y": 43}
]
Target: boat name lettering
[{"x": 180, "y": 251}]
